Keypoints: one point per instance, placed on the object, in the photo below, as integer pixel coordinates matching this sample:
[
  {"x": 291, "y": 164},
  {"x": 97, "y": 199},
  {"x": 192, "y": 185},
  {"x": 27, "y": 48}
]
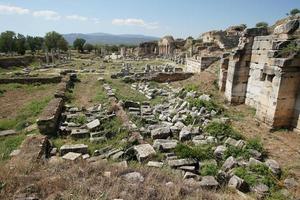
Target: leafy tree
[
  {"x": 262, "y": 25},
  {"x": 294, "y": 11},
  {"x": 78, "y": 44},
  {"x": 62, "y": 44},
  {"x": 21, "y": 44},
  {"x": 89, "y": 47},
  {"x": 7, "y": 41},
  {"x": 34, "y": 43},
  {"x": 54, "y": 40}
]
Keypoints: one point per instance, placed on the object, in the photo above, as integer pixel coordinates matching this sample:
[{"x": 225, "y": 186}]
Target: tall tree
[
  {"x": 21, "y": 44},
  {"x": 7, "y": 41},
  {"x": 34, "y": 43},
  {"x": 88, "y": 47},
  {"x": 78, "y": 44},
  {"x": 54, "y": 40}
]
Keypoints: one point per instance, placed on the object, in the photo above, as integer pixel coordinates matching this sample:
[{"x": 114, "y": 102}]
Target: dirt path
[{"x": 85, "y": 91}]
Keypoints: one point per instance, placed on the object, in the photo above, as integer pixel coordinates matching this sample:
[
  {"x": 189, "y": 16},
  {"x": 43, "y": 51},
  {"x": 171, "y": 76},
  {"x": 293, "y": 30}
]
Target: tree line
[
  {"x": 10, "y": 42},
  {"x": 81, "y": 46}
]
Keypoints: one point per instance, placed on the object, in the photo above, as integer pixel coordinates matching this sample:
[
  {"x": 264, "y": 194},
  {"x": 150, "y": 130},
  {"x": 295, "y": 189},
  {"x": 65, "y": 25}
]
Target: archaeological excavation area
[{"x": 216, "y": 117}]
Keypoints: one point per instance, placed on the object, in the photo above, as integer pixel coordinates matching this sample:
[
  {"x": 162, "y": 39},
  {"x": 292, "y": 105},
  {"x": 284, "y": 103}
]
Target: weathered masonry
[{"x": 263, "y": 73}]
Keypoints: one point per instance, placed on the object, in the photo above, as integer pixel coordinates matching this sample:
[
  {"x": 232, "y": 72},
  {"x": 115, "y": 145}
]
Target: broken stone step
[
  {"x": 80, "y": 133},
  {"x": 76, "y": 148},
  {"x": 72, "y": 156}
]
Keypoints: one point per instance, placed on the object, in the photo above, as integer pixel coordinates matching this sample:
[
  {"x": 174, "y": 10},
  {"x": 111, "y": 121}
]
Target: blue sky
[{"x": 180, "y": 18}]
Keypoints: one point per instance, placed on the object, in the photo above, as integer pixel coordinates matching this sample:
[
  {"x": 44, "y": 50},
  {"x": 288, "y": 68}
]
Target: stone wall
[
  {"x": 198, "y": 65},
  {"x": 263, "y": 77},
  {"x": 48, "y": 120},
  {"x": 31, "y": 80}
]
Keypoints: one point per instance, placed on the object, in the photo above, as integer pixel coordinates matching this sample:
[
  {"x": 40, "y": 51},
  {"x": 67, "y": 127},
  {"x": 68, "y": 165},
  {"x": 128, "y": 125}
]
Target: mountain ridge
[{"x": 110, "y": 39}]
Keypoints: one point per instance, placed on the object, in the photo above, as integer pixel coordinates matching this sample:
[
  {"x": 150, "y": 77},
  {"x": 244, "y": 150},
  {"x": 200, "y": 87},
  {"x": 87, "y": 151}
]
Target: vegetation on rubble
[
  {"x": 208, "y": 169},
  {"x": 199, "y": 152},
  {"x": 217, "y": 129},
  {"x": 255, "y": 174}
]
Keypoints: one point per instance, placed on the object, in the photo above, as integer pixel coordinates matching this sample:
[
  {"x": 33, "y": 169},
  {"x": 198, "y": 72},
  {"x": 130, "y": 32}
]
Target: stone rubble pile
[{"x": 148, "y": 91}]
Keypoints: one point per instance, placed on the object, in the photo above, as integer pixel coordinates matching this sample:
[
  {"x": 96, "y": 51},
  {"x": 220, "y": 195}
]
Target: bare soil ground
[
  {"x": 13, "y": 100},
  {"x": 86, "y": 90}
]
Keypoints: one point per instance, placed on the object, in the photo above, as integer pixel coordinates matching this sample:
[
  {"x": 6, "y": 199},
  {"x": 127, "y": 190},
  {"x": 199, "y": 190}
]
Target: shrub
[
  {"x": 236, "y": 152},
  {"x": 209, "y": 169},
  {"x": 262, "y": 25},
  {"x": 203, "y": 152},
  {"x": 256, "y": 144},
  {"x": 191, "y": 87},
  {"x": 220, "y": 129},
  {"x": 294, "y": 11},
  {"x": 256, "y": 174},
  {"x": 209, "y": 105}
]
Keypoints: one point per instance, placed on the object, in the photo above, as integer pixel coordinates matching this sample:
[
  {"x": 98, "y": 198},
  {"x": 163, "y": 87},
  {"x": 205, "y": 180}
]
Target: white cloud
[
  {"x": 96, "y": 20},
  {"x": 6, "y": 9},
  {"x": 135, "y": 22},
  {"x": 47, "y": 14},
  {"x": 76, "y": 17}
]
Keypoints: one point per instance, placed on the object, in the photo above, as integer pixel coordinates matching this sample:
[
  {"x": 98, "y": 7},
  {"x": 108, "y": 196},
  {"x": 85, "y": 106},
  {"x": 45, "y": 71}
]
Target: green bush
[
  {"x": 209, "y": 105},
  {"x": 203, "y": 152},
  {"x": 220, "y": 129},
  {"x": 209, "y": 169},
  {"x": 256, "y": 174},
  {"x": 236, "y": 152},
  {"x": 191, "y": 87},
  {"x": 256, "y": 144}
]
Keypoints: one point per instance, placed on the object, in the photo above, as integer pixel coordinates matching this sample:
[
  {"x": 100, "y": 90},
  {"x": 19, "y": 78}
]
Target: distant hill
[{"x": 105, "y": 38}]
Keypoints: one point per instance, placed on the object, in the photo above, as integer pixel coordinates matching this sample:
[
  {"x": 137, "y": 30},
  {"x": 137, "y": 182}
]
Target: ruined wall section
[{"x": 239, "y": 67}]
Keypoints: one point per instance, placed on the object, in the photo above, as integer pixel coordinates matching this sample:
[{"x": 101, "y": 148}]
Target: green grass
[
  {"x": 8, "y": 144},
  {"x": 220, "y": 129},
  {"x": 209, "y": 169},
  {"x": 26, "y": 116},
  {"x": 200, "y": 152}
]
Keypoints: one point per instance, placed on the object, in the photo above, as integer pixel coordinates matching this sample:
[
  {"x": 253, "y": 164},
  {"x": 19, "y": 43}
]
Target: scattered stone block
[
  {"x": 161, "y": 133},
  {"x": 209, "y": 182},
  {"x": 134, "y": 177},
  {"x": 238, "y": 183},
  {"x": 164, "y": 144},
  {"x": 181, "y": 162},
  {"x": 93, "y": 124},
  {"x": 155, "y": 164},
  {"x": 72, "y": 156},
  {"x": 144, "y": 151}
]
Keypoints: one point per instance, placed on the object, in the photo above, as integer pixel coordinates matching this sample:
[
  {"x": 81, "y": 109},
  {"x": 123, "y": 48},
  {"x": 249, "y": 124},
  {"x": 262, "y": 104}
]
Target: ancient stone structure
[
  {"x": 198, "y": 64},
  {"x": 148, "y": 49},
  {"x": 166, "y": 46},
  {"x": 227, "y": 39},
  {"x": 261, "y": 74}
]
